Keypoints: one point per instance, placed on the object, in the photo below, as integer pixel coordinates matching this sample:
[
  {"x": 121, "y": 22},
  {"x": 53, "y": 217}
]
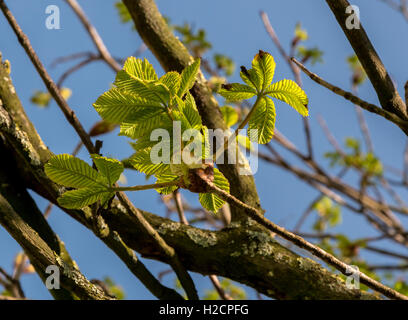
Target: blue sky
[{"x": 235, "y": 29}]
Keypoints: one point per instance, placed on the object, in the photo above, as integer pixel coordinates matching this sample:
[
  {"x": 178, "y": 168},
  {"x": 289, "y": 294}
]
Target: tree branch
[
  {"x": 387, "y": 93},
  {"x": 185, "y": 278},
  {"x": 49, "y": 83},
  {"x": 302, "y": 243},
  {"x": 173, "y": 55},
  {"x": 93, "y": 33},
  {"x": 403, "y": 124}
]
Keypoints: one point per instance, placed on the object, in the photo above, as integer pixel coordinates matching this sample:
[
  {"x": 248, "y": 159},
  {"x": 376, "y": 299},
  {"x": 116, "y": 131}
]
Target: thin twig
[
  {"x": 97, "y": 40},
  {"x": 296, "y": 72},
  {"x": 356, "y": 100},
  {"x": 183, "y": 220},
  {"x": 302, "y": 243},
  {"x": 173, "y": 260},
  {"x": 181, "y": 272},
  {"x": 49, "y": 83}
]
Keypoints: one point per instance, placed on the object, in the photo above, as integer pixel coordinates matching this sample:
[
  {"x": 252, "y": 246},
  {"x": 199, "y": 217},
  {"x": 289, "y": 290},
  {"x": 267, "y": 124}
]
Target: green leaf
[
  {"x": 230, "y": 115},
  {"x": 264, "y": 66},
  {"x": 211, "y": 201},
  {"x": 236, "y": 92},
  {"x": 167, "y": 178},
  {"x": 289, "y": 92},
  {"x": 189, "y": 109},
  {"x": 152, "y": 91},
  {"x": 77, "y": 199},
  {"x": 141, "y": 161},
  {"x": 72, "y": 172},
  {"x": 224, "y": 63},
  {"x": 41, "y": 99},
  {"x": 140, "y": 126},
  {"x": 172, "y": 81},
  {"x": 110, "y": 168},
  {"x": 141, "y": 69},
  {"x": 244, "y": 141},
  {"x": 263, "y": 119},
  {"x": 116, "y": 106},
  {"x": 251, "y": 78},
  {"x": 188, "y": 77}
]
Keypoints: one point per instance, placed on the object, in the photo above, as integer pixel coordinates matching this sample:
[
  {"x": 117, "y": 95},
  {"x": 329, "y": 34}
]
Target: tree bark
[
  {"x": 243, "y": 252},
  {"x": 377, "y": 73}
]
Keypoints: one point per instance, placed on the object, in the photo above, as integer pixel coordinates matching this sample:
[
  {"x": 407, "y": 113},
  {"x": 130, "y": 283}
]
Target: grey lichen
[
  {"x": 168, "y": 226},
  {"x": 260, "y": 244},
  {"x": 204, "y": 239}
]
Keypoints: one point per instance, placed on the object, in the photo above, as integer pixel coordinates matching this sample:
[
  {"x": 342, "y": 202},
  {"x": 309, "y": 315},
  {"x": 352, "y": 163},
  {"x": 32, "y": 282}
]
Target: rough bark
[
  {"x": 243, "y": 252},
  {"x": 173, "y": 55},
  {"x": 377, "y": 73}
]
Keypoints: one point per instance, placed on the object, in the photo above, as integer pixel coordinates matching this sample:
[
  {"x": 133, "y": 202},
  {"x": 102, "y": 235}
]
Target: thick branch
[
  {"x": 387, "y": 93},
  {"x": 403, "y": 124},
  {"x": 173, "y": 55}
]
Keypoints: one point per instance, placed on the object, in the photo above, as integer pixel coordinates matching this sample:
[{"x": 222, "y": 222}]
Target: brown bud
[{"x": 199, "y": 179}]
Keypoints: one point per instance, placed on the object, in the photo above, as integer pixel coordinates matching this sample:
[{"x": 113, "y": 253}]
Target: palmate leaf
[
  {"x": 172, "y": 80},
  {"x": 140, "y": 126},
  {"x": 77, "y": 199},
  {"x": 211, "y": 201},
  {"x": 264, "y": 66},
  {"x": 188, "y": 77},
  {"x": 289, "y": 92},
  {"x": 167, "y": 178},
  {"x": 72, "y": 172},
  {"x": 149, "y": 90},
  {"x": 110, "y": 168},
  {"x": 139, "y": 68},
  {"x": 141, "y": 161},
  {"x": 251, "y": 78},
  {"x": 115, "y": 105},
  {"x": 230, "y": 115},
  {"x": 262, "y": 122},
  {"x": 189, "y": 109},
  {"x": 236, "y": 92}
]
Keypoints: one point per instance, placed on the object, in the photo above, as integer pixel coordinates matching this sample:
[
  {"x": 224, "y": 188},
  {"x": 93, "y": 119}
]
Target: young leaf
[
  {"x": 263, "y": 120},
  {"x": 72, "y": 172},
  {"x": 230, "y": 115},
  {"x": 152, "y": 91},
  {"x": 188, "y": 77},
  {"x": 167, "y": 178},
  {"x": 244, "y": 141},
  {"x": 140, "y": 126},
  {"x": 142, "y": 162},
  {"x": 77, "y": 199},
  {"x": 110, "y": 168},
  {"x": 189, "y": 109},
  {"x": 139, "y": 68},
  {"x": 251, "y": 78},
  {"x": 289, "y": 92},
  {"x": 236, "y": 92},
  {"x": 115, "y": 105},
  {"x": 264, "y": 66},
  {"x": 211, "y": 201},
  {"x": 172, "y": 81}
]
